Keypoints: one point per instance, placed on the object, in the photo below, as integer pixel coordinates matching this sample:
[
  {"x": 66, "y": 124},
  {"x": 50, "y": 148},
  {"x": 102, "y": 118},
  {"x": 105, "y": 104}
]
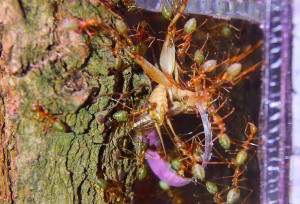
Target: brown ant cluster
[{"x": 191, "y": 79}]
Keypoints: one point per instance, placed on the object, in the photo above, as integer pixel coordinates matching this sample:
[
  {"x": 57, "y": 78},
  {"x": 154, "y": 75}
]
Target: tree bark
[{"x": 43, "y": 63}]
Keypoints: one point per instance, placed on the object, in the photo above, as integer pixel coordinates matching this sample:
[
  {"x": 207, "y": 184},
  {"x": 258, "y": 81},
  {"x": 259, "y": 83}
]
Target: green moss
[
  {"x": 59, "y": 72},
  {"x": 96, "y": 66},
  {"x": 82, "y": 121},
  {"x": 71, "y": 120},
  {"x": 96, "y": 132},
  {"x": 127, "y": 76},
  {"x": 76, "y": 57}
]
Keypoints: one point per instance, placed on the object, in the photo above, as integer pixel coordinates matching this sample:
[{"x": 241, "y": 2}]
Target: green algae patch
[
  {"x": 72, "y": 78},
  {"x": 96, "y": 132},
  {"x": 83, "y": 120},
  {"x": 96, "y": 67}
]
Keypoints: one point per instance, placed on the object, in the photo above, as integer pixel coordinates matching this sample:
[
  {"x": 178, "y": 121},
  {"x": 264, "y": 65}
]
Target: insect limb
[
  {"x": 247, "y": 52},
  {"x": 154, "y": 73},
  {"x": 160, "y": 137},
  {"x": 178, "y": 14},
  {"x": 141, "y": 33},
  {"x": 187, "y": 39},
  {"x": 237, "y": 79},
  {"x": 56, "y": 123},
  {"x": 108, "y": 6}
]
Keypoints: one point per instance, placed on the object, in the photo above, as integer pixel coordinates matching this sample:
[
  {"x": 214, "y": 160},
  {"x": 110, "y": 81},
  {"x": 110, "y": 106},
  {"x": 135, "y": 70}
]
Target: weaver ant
[
  {"x": 56, "y": 123},
  {"x": 242, "y": 154},
  {"x": 112, "y": 190},
  {"x": 169, "y": 98}
]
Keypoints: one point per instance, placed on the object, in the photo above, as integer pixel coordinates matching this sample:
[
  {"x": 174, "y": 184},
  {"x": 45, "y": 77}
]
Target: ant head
[
  {"x": 151, "y": 106},
  {"x": 253, "y": 128},
  {"x": 35, "y": 108},
  {"x": 212, "y": 110}
]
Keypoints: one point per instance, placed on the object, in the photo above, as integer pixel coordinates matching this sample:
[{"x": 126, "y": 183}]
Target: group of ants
[{"x": 208, "y": 83}]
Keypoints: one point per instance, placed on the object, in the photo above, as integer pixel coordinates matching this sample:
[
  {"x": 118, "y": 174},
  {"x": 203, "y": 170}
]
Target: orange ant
[
  {"x": 232, "y": 74},
  {"x": 242, "y": 154},
  {"x": 129, "y": 4},
  {"x": 225, "y": 30},
  {"x": 57, "y": 124},
  {"x": 218, "y": 120},
  {"x": 108, "y": 6},
  {"x": 113, "y": 191},
  {"x": 233, "y": 194},
  {"x": 212, "y": 188},
  {"x": 142, "y": 32},
  {"x": 83, "y": 24},
  {"x": 88, "y": 25},
  {"x": 140, "y": 154},
  {"x": 140, "y": 118},
  {"x": 253, "y": 131},
  {"x": 175, "y": 196},
  {"x": 185, "y": 35}
]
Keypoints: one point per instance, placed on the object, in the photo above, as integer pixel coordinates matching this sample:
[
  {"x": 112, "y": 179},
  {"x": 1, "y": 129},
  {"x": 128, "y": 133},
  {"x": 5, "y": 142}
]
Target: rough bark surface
[{"x": 44, "y": 64}]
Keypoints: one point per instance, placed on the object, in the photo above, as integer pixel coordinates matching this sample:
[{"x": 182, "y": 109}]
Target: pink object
[
  {"x": 160, "y": 167},
  {"x": 163, "y": 171}
]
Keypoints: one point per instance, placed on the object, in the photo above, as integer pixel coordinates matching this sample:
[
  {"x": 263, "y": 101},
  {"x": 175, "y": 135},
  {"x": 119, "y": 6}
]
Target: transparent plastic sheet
[
  {"x": 295, "y": 158},
  {"x": 275, "y": 115},
  {"x": 247, "y": 10}
]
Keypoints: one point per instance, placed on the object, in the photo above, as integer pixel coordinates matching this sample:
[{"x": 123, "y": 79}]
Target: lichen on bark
[{"x": 70, "y": 77}]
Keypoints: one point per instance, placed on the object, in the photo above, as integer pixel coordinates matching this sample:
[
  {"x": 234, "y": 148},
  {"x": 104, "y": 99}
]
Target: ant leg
[{"x": 160, "y": 137}]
